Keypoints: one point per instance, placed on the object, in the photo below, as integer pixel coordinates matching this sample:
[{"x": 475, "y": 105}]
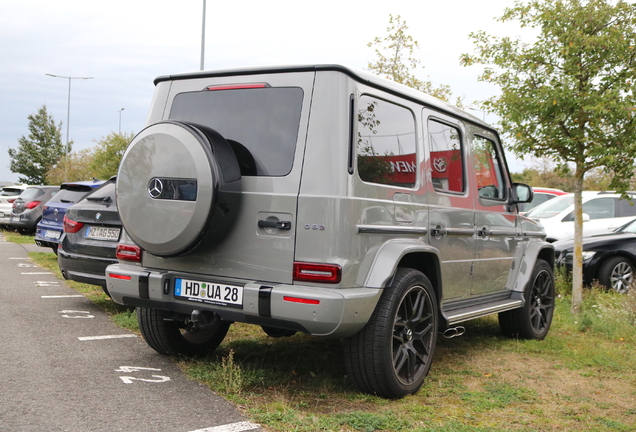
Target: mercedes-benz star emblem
[{"x": 155, "y": 187}]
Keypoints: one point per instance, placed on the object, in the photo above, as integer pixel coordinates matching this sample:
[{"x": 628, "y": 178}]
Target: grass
[{"x": 582, "y": 377}]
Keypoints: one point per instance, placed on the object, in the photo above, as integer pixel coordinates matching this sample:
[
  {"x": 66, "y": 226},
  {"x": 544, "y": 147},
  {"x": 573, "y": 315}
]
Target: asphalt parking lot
[{"x": 64, "y": 366}]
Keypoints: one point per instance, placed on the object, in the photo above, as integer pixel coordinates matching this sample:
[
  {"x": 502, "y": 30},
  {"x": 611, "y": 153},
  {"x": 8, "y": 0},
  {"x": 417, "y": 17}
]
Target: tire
[
  {"x": 176, "y": 183},
  {"x": 392, "y": 354},
  {"x": 616, "y": 273},
  {"x": 533, "y": 320},
  {"x": 278, "y": 332},
  {"x": 171, "y": 338}
]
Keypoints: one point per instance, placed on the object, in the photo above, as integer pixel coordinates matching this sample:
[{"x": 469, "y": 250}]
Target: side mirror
[
  {"x": 586, "y": 217},
  {"x": 522, "y": 193}
]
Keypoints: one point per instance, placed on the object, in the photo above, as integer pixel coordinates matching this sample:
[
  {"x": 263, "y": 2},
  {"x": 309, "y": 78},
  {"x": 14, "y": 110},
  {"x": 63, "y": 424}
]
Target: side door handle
[
  {"x": 283, "y": 225},
  {"x": 439, "y": 231},
  {"x": 484, "y": 232}
]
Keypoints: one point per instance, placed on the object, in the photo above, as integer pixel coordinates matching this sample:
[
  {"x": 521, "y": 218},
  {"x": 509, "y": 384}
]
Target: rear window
[
  {"x": 71, "y": 195},
  {"x": 264, "y": 121},
  {"x": 31, "y": 193}
]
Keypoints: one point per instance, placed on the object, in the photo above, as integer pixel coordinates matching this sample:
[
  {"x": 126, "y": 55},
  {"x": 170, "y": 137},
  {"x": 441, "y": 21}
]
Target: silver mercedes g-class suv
[{"x": 323, "y": 200}]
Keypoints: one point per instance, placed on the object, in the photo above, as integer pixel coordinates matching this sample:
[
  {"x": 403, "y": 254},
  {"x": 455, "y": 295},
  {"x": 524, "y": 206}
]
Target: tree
[
  {"x": 41, "y": 150},
  {"x": 76, "y": 166},
  {"x": 568, "y": 96},
  {"x": 109, "y": 153},
  {"x": 394, "y": 60}
]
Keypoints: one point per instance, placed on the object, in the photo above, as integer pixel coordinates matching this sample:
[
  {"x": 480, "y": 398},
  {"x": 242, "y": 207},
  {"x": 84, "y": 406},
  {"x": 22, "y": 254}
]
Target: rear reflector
[
  {"x": 118, "y": 276},
  {"x": 310, "y": 272},
  {"x": 127, "y": 252},
  {"x": 237, "y": 86},
  {"x": 301, "y": 300}
]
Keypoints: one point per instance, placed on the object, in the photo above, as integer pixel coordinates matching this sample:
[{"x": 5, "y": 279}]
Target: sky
[{"x": 124, "y": 45}]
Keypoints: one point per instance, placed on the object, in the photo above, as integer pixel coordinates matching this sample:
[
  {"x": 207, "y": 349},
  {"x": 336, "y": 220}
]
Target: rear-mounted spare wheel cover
[{"x": 173, "y": 153}]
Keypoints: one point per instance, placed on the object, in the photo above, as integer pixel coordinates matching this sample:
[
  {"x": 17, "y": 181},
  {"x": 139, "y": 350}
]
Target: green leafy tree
[
  {"x": 38, "y": 152},
  {"x": 77, "y": 166},
  {"x": 395, "y": 60},
  {"x": 108, "y": 154},
  {"x": 570, "y": 95}
]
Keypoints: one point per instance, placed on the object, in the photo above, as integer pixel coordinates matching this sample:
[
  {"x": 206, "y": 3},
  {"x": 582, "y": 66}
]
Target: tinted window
[
  {"x": 626, "y": 208},
  {"x": 31, "y": 193},
  {"x": 386, "y": 143},
  {"x": 446, "y": 157},
  {"x": 69, "y": 196},
  {"x": 263, "y": 121},
  {"x": 487, "y": 168}
]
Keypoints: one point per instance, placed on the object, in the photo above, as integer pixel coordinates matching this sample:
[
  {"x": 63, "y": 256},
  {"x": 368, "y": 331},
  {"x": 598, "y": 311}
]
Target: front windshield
[
  {"x": 552, "y": 207},
  {"x": 629, "y": 228}
]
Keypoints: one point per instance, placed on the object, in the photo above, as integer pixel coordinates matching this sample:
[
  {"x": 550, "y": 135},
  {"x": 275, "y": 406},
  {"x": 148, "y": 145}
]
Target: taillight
[
  {"x": 11, "y": 200},
  {"x": 126, "y": 252},
  {"x": 310, "y": 272},
  {"x": 71, "y": 226},
  {"x": 237, "y": 86},
  {"x": 32, "y": 204}
]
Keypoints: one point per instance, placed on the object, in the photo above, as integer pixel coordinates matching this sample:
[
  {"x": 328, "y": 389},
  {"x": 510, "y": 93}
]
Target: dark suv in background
[{"x": 91, "y": 231}]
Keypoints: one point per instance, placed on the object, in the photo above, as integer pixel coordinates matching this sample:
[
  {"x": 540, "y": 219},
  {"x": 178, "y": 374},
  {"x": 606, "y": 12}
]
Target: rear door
[{"x": 268, "y": 116}]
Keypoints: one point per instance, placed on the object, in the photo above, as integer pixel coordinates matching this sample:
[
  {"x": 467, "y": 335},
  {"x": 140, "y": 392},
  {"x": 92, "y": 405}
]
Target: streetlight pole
[
  {"x": 68, "y": 111},
  {"x": 120, "y": 119},
  {"x": 203, "y": 37},
  {"x": 68, "y": 116}
]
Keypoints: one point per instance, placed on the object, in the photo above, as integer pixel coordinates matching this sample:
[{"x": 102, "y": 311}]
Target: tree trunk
[{"x": 577, "y": 265}]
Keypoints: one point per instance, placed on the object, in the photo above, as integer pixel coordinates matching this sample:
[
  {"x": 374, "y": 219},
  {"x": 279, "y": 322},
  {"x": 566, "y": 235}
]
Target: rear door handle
[{"x": 283, "y": 225}]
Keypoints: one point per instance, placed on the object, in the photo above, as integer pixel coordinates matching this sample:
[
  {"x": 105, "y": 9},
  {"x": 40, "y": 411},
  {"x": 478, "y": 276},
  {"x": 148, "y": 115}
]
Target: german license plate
[
  {"x": 102, "y": 233},
  {"x": 52, "y": 234},
  {"x": 209, "y": 292}
]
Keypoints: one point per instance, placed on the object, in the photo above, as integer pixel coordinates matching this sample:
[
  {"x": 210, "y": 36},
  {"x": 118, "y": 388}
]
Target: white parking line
[
  {"x": 37, "y": 273},
  {"x": 121, "y": 336},
  {"x": 232, "y": 427},
  {"x": 27, "y": 259},
  {"x": 61, "y": 296}
]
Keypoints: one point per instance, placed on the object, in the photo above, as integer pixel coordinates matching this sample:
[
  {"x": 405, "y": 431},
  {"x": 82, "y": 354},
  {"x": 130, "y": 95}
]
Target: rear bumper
[
  {"x": 83, "y": 268},
  {"x": 338, "y": 313}
]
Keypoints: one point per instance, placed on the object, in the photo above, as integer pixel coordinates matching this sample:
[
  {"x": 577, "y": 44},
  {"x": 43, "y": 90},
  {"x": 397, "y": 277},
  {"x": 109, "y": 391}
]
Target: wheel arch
[
  {"x": 415, "y": 254},
  {"x": 536, "y": 250}
]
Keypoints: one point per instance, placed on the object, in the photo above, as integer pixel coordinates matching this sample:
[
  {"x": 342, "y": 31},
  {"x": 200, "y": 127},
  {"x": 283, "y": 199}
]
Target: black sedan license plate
[
  {"x": 102, "y": 233},
  {"x": 209, "y": 292}
]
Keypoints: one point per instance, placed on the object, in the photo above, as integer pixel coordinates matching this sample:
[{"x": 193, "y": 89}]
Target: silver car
[{"x": 328, "y": 201}]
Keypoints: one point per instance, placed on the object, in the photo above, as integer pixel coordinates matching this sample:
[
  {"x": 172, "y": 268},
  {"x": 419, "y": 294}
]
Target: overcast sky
[{"x": 124, "y": 45}]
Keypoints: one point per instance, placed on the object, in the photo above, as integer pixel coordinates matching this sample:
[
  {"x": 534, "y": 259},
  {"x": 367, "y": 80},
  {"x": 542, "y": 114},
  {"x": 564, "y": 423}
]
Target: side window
[
  {"x": 386, "y": 143},
  {"x": 446, "y": 157},
  {"x": 487, "y": 168},
  {"x": 600, "y": 208},
  {"x": 626, "y": 208}
]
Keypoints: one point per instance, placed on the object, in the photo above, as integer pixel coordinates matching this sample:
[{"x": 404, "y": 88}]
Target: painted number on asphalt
[
  {"x": 132, "y": 369},
  {"x": 76, "y": 314}
]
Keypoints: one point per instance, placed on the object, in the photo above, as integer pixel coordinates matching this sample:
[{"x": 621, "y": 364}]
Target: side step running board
[{"x": 465, "y": 314}]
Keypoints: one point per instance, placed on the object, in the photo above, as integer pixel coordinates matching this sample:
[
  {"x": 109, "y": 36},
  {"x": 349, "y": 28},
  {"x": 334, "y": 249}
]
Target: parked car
[
  {"x": 609, "y": 259},
  {"x": 328, "y": 201},
  {"x": 541, "y": 195},
  {"x": 8, "y": 195},
  {"x": 91, "y": 230},
  {"x": 27, "y": 208},
  {"x": 603, "y": 212},
  {"x": 50, "y": 228}
]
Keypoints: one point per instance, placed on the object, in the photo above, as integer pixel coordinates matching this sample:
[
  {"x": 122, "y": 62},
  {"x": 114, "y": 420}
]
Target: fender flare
[
  {"x": 380, "y": 263},
  {"x": 537, "y": 250}
]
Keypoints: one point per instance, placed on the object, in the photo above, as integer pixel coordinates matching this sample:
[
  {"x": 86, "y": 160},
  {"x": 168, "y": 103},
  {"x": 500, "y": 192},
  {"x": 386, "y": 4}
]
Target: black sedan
[
  {"x": 609, "y": 258},
  {"x": 91, "y": 231}
]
